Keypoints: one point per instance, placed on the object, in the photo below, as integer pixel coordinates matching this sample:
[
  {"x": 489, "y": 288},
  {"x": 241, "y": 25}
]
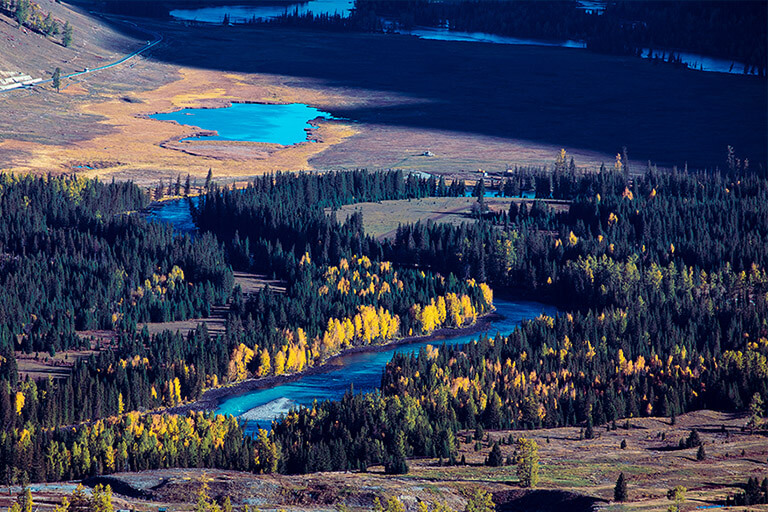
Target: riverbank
[{"x": 212, "y": 398}]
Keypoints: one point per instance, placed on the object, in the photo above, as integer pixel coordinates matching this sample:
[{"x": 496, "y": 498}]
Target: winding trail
[{"x": 150, "y": 44}]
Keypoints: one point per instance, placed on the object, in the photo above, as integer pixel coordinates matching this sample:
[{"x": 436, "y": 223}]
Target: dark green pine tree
[
  {"x": 66, "y": 38},
  {"x": 620, "y": 491},
  {"x": 56, "y": 80},
  {"x": 495, "y": 459},
  {"x": 589, "y": 433}
]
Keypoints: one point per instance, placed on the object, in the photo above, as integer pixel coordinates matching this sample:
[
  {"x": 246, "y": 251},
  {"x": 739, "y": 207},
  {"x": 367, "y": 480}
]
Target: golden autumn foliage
[
  {"x": 238, "y": 362},
  {"x": 18, "y": 403},
  {"x": 449, "y": 311},
  {"x": 158, "y": 284},
  {"x": 116, "y": 443},
  {"x": 370, "y": 324}
]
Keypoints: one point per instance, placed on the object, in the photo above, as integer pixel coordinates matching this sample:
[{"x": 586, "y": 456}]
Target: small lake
[
  {"x": 362, "y": 370},
  {"x": 246, "y": 13},
  {"x": 255, "y": 122}
]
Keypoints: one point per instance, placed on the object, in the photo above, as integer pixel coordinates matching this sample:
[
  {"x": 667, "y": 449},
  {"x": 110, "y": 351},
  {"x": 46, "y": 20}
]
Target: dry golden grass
[
  {"x": 216, "y": 322},
  {"x": 42, "y": 365},
  {"x": 144, "y": 149},
  {"x": 402, "y": 147}
]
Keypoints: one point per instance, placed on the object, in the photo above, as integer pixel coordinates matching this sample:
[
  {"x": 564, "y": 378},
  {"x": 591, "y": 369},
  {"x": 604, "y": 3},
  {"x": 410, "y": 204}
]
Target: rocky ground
[{"x": 576, "y": 474}]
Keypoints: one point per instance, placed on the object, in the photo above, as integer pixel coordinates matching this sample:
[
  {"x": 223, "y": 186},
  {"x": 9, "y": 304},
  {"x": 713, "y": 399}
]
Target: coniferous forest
[
  {"x": 729, "y": 30},
  {"x": 660, "y": 277}
]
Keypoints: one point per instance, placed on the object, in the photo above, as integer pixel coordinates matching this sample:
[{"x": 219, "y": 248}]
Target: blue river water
[
  {"x": 257, "y": 122},
  {"x": 241, "y": 14},
  {"x": 360, "y": 370},
  {"x": 176, "y": 213}
]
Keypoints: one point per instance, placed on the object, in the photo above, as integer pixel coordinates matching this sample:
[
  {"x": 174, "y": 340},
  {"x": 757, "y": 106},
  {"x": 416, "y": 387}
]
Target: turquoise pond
[{"x": 255, "y": 122}]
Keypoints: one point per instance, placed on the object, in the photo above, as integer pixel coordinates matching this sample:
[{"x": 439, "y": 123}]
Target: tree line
[
  {"x": 733, "y": 31},
  {"x": 30, "y": 15},
  {"x": 73, "y": 260}
]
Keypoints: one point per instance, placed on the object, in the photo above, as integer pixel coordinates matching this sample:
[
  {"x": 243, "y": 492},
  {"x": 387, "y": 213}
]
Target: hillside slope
[{"x": 94, "y": 43}]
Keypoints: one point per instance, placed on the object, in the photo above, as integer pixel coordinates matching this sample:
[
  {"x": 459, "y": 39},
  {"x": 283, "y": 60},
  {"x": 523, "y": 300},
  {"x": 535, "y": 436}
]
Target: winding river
[{"x": 360, "y": 370}]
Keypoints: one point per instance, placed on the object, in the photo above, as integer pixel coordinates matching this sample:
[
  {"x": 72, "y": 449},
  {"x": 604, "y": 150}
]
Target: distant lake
[
  {"x": 592, "y": 6},
  {"x": 245, "y": 13},
  {"x": 256, "y": 122},
  {"x": 692, "y": 60},
  {"x": 444, "y": 34}
]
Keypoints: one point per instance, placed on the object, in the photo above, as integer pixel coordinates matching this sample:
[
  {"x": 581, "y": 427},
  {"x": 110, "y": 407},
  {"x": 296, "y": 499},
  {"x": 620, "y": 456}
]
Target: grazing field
[
  {"x": 381, "y": 219},
  {"x": 588, "y": 468},
  {"x": 651, "y": 462},
  {"x": 471, "y": 105},
  {"x": 42, "y": 366}
]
